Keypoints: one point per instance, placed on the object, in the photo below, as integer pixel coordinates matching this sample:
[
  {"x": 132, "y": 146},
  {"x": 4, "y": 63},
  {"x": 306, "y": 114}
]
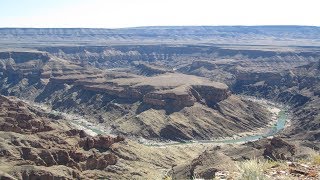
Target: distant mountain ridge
[{"x": 257, "y": 35}]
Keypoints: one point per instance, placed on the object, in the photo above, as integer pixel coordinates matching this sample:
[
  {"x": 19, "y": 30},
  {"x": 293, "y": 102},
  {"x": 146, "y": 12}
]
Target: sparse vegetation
[
  {"x": 182, "y": 103},
  {"x": 252, "y": 169},
  {"x": 167, "y": 177},
  {"x": 315, "y": 157}
]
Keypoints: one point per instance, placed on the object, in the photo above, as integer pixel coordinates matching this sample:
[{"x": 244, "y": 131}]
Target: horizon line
[{"x": 160, "y": 26}]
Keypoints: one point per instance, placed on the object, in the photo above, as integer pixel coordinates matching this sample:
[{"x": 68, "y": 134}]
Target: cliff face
[
  {"x": 69, "y": 80},
  {"x": 22, "y": 57},
  {"x": 18, "y": 65},
  {"x": 297, "y": 87},
  {"x": 289, "y": 77},
  {"x": 158, "y": 83},
  {"x": 211, "y": 95},
  {"x": 38, "y": 144},
  {"x": 187, "y": 96},
  {"x": 121, "y": 98},
  {"x": 16, "y": 117},
  {"x": 177, "y": 56},
  {"x": 150, "y": 70},
  {"x": 170, "y": 90},
  {"x": 249, "y": 35}
]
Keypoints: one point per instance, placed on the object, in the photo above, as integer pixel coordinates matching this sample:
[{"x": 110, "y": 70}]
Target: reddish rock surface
[
  {"x": 99, "y": 142},
  {"x": 278, "y": 149},
  {"x": 43, "y": 145}
]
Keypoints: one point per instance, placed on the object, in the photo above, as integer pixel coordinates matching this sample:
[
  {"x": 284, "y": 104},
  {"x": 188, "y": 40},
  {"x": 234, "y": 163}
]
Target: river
[{"x": 278, "y": 123}]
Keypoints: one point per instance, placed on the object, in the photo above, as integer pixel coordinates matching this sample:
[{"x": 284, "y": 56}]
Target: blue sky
[
  {"x": 17, "y": 8},
  {"x": 132, "y": 13}
]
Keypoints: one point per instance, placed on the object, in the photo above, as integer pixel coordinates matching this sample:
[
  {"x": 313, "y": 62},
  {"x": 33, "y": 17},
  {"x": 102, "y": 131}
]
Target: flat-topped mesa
[
  {"x": 118, "y": 91},
  {"x": 169, "y": 90},
  {"x": 24, "y": 56},
  {"x": 20, "y": 64},
  {"x": 211, "y": 94},
  {"x": 174, "y": 90},
  {"x": 170, "y": 98},
  {"x": 187, "y": 96}
]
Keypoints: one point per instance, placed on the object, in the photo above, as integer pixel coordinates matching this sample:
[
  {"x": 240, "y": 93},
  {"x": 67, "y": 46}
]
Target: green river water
[{"x": 277, "y": 127}]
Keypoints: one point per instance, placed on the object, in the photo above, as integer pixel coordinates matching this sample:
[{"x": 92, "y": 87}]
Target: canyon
[{"x": 154, "y": 84}]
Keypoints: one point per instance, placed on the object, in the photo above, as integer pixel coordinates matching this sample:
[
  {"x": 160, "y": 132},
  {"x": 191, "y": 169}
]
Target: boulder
[
  {"x": 100, "y": 162},
  {"x": 99, "y": 142},
  {"x": 278, "y": 149}
]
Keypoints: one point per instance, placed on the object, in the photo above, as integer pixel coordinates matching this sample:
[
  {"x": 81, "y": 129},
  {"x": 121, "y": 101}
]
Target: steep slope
[
  {"x": 35, "y": 146},
  {"x": 166, "y": 106},
  {"x": 154, "y": 83},
  {"x": 288, "y": 160},
  {"x": 291, "y": 79}
]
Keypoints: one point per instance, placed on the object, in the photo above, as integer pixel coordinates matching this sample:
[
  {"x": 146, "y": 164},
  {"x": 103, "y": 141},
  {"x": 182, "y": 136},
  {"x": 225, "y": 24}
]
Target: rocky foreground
[
  {"x": 33, "y": 145},
  {"x": 185, "y": 89}
]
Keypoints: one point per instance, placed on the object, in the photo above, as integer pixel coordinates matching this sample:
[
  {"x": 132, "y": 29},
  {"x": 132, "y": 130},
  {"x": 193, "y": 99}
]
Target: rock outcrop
[
  {"x": 129, "y": 99},
  {"x": 279, "y": 149},
  {"x": 71, "y": 86},
  {"x": 20, "y": 57},
  {"x": 99, "y": 142},
  {"x": 178, "y": 91},
  {"x": 30, "y": 138},
  {"x": 171, "y": 89},
  {"x": 226, "y": 158},
  {"x": 204, "y": 166},
  {"x": 150, "y": 70},
  {"x": 17, "y": 117}
]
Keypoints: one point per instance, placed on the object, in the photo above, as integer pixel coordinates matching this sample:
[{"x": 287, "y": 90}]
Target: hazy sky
[{"x": 131, "y": 13}]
